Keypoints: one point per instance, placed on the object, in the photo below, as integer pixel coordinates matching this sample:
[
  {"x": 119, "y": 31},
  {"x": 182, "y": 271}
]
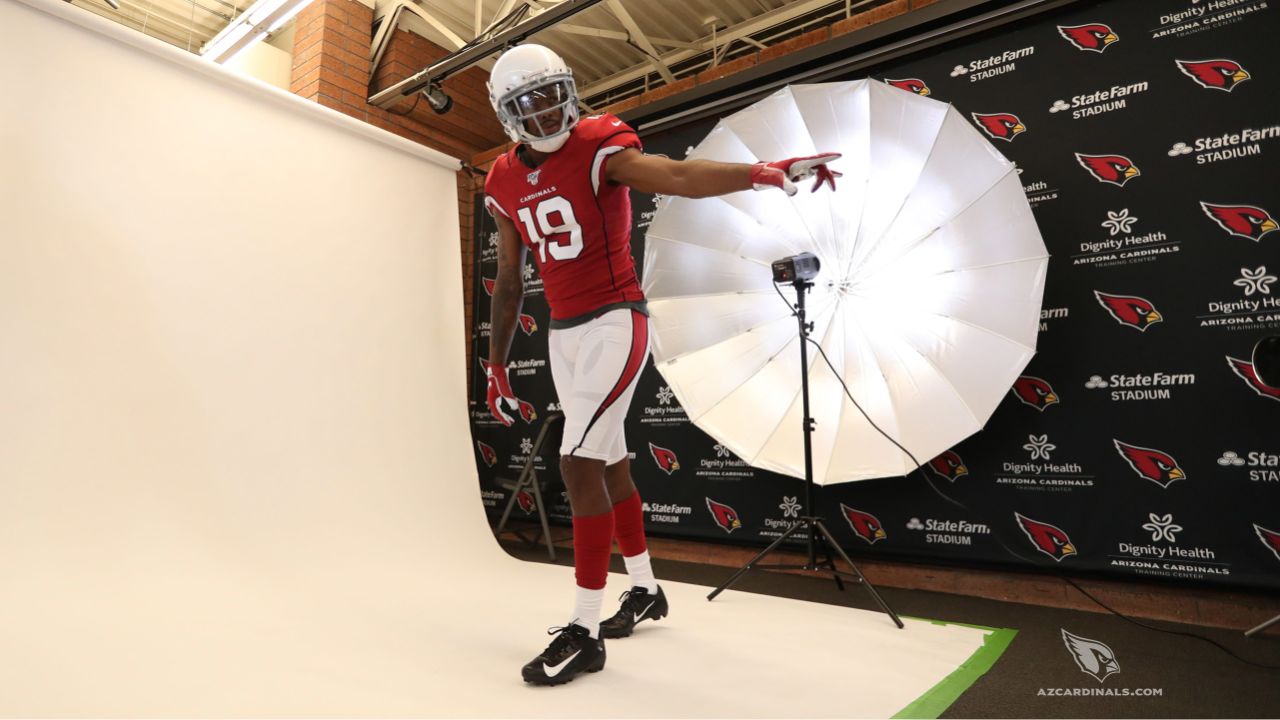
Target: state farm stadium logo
[
  {"x": 666, "y": 513},
  {"x": 1196, "y": 18},
  {"x": 1256, "y": 307},
  {"x": 948, "y": 532},
  {"x": 1090, "y": 37},
  {"x": 1034, "y": 391},
  {"x": 491, "y": 498},
  {"x": 1261, "y": 467},
  {"x": 665, "y": 459},
  {"x": 1111, "y": 169},
  {"x": 1098, "y": 102},
  {"x": 1043, "y": 468},
  {"x": 1122, "y": 244},
  {"x": 912, "y": 85},
  {"x": 521, "y": 368},
  {"x": 948, "y": 466},
  {"x": 1160, "y": 551},
  {"x": 1141, "y": 386},
  {"x": 723, "y": 465},
  {"x": 999, "y": 126},
  {"x": 1246, "y": 142},
  {"x": 1047, "y": 314},
  {"x": 1220, "y": 74},
  {"x": 664, "y": 409},
  {"x": 725, "y": 517},
  {"x": 1245, "y": 371},
  {"x": 1245, "y": 221},
  {"x": 993, "y": 65},
  {"x": 1047, "y": 538},
  {"x": 1157, "y": 466},
  {"x": 1131, "y": 311},
  {"x": 865, "y": 525}
]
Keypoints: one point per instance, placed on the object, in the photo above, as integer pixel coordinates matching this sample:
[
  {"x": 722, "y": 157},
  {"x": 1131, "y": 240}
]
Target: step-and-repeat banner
[{"x": 1138, "y": 442}]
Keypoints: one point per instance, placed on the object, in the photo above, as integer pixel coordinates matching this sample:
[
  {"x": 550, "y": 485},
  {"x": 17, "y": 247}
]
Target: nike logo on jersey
[
  {"x": 616, "y": 123},
  {"x": 554, "y": 671},
  {"x": 640, "y": 615}
]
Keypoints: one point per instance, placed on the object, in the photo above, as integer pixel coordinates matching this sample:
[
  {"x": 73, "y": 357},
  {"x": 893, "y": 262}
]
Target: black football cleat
[
  {"x": 572, "y": 653},
  {"x": 637, "y": 605}
]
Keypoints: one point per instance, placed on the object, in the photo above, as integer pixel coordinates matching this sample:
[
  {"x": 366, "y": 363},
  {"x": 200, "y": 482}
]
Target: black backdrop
[{"x": 1090, "y": 481}]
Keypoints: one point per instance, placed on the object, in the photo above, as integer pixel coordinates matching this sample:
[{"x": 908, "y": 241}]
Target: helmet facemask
[{"x": 541, "y": 112}]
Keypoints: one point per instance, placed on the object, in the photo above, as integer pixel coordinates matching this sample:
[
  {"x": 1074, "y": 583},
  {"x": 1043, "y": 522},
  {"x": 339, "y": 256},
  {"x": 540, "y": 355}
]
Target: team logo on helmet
[
  {"x": 1154, "y": 465},
  {"x": 1095, "y": 37},
  {"x": 488, "y": 285},
  {"x": 527, "y": 412},
  {"x": 1246, "y": 371},
  {"x": 1034, "y": 392},
  {"x": 1270, "y": 538},
  {"x": 948, "y": 466},
  {"x": 1114, "y": 169},
  {"x": 528, "y": 324},
  {"x": 487, "y": 454},
  {"x": 914, "y": 85},
  {"x": 1246, "y": 221},
  {"x": 1048, "y": 539},
  {"x": 1092, "y": 656},
  {"x": 1130, "y": 310},
  {"x": 725, "y": 516},
  {"x": 665, "y": 458},
  {"x": 1218, "y": 74},
  {"x": 1001, "y": 126},
  {"x": 866, "y": 525},
  {"x": 525, "y": 500}
]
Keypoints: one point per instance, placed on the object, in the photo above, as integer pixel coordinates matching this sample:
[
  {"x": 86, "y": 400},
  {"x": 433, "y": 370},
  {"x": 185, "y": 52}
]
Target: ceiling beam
[
  {"x": 638, "y": 36},
  {"x": 430, "y": 19},
  {"x": 619, "y": 35}
]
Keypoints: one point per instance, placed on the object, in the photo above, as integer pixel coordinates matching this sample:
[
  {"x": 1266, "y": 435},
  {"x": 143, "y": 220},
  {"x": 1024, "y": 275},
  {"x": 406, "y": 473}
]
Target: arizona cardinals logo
[
  {"x": 1214, "y": 74},
  {"x": 1158, "y": 467},
  {"x": 1130, "y": 310},
  {"x": 1001, "y": 126},
  {"x": 866, "y": 525},
  {"x": 948, "y": 466},
  {"x": 665, "y": 458},
  {"x": 487, "y": 454},
  {"x": 1048, "y": 539},
  {"x": 488, "y": 286},
  {"x": 725, "y": 516},
  {"x": 1270, "y": 538},
  {"x": 1114, "y": 169},
  {"x": 914, "y": 85},
  {"x": 1092, "y": 656},
  {"x": 1094, "y": 36},
  {"x": 1246, "y": 221},
  {"x": 1245, "y": 370},
  {"x": 525, "y": 500},
  {"x": 1035, "y": 392},
  {"x": 527, "y": 412},
  {"x": 528, "y": 324}
]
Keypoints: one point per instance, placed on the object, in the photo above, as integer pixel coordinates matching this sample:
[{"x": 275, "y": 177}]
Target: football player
[{"x": 563, "y": 194}]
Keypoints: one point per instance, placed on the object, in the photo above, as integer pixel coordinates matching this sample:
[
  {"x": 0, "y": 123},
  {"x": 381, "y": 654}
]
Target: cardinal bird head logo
[
  {"x": 1092, "y": 656},
  {"x": 1130, "y": 310},
  {"x": 525, "y": 500},
  {"x": 665, "y": 458},
  {"x": 527, "y": 412},
  {"x": 1218, "y": 74},
  {"x": 1270, "y": 538},
  {"x": 1001, "y": 126},
  {"x": 1246, "y": 221},
  {"x": 1035, "y": 392},
  {"x": 1245, "y": 370},
  {"x": 1093, "y": 36},
  {"x": 528, "y": 324},
  {"x": 948, "y": 466},
  {"x": 1114, "y": 169},
  {"x": 1154, "y": 465},
  {"x": 914, "y": 85},
  {"x": 725, "y": 516},
  {"x": 1048, "y": 539},
  {"x": 866, "y": 525},
  {"x": 488, "y": 286},
  {"x": 487, "y": 454}
]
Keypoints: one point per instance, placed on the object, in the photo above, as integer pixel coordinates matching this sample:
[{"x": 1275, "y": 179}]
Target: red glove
[
  {"x": 784, "y": 174},
  {"x": 500, "y": 394}
]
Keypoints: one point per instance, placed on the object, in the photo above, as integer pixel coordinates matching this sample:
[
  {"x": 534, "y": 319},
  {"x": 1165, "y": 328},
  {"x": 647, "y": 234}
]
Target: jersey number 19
[{"x": 543, "y": 229}]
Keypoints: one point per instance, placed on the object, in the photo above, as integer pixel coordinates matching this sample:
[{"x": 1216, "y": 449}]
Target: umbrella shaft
[{"x": 801, "y": 287}]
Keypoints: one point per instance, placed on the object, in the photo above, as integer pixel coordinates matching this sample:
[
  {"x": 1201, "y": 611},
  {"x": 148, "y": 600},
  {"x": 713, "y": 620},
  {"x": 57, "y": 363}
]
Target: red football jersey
[{"x": 576, "y": 224}]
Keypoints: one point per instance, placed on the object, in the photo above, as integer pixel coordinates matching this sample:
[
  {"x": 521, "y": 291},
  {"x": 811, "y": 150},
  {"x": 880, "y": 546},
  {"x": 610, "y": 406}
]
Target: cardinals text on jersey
[{"x": 576, "y": 224}]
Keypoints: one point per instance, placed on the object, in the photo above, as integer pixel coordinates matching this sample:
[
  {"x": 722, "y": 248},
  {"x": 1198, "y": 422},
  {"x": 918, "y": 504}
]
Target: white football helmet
[{"x": 529, "y": 84}]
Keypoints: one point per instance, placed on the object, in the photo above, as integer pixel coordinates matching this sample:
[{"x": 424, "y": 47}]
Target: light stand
[{"x": 817, "y": 529}]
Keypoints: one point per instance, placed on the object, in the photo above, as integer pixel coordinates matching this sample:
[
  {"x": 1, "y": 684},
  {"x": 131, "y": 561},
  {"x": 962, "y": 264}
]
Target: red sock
[
  {"x": 628, "y": 525},
  {"x": 592, "y": 543}
]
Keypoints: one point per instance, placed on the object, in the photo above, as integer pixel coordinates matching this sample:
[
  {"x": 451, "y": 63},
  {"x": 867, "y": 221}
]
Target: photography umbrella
[{"x": 927, "y": 303}]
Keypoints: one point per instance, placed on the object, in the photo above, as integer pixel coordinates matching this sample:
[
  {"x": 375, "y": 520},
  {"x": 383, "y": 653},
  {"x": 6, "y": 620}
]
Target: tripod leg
[
  {"x": 542, "y": 515},
  {"x": 826, "y": 550},
  {"x": 870, "y": 588},
  {"x": 1263, "y": 626},
  {"x": 742, "y": 570}
]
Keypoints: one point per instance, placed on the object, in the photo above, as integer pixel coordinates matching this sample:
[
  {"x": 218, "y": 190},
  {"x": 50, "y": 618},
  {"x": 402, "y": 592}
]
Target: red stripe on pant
[
  {"x": 628, "y": 525},
  {"x": 592, "y": 543},
  {"x": 635, "y": 363}
]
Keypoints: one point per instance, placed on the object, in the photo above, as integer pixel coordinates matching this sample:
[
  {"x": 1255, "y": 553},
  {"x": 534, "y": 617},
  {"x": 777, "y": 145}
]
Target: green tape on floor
[{"x": 939, "y": 697}]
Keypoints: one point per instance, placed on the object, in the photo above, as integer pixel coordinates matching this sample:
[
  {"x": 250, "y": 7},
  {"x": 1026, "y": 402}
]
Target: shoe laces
[
  {"x": 631, "y": 599},
  {"x": 565, "y": 637}
]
